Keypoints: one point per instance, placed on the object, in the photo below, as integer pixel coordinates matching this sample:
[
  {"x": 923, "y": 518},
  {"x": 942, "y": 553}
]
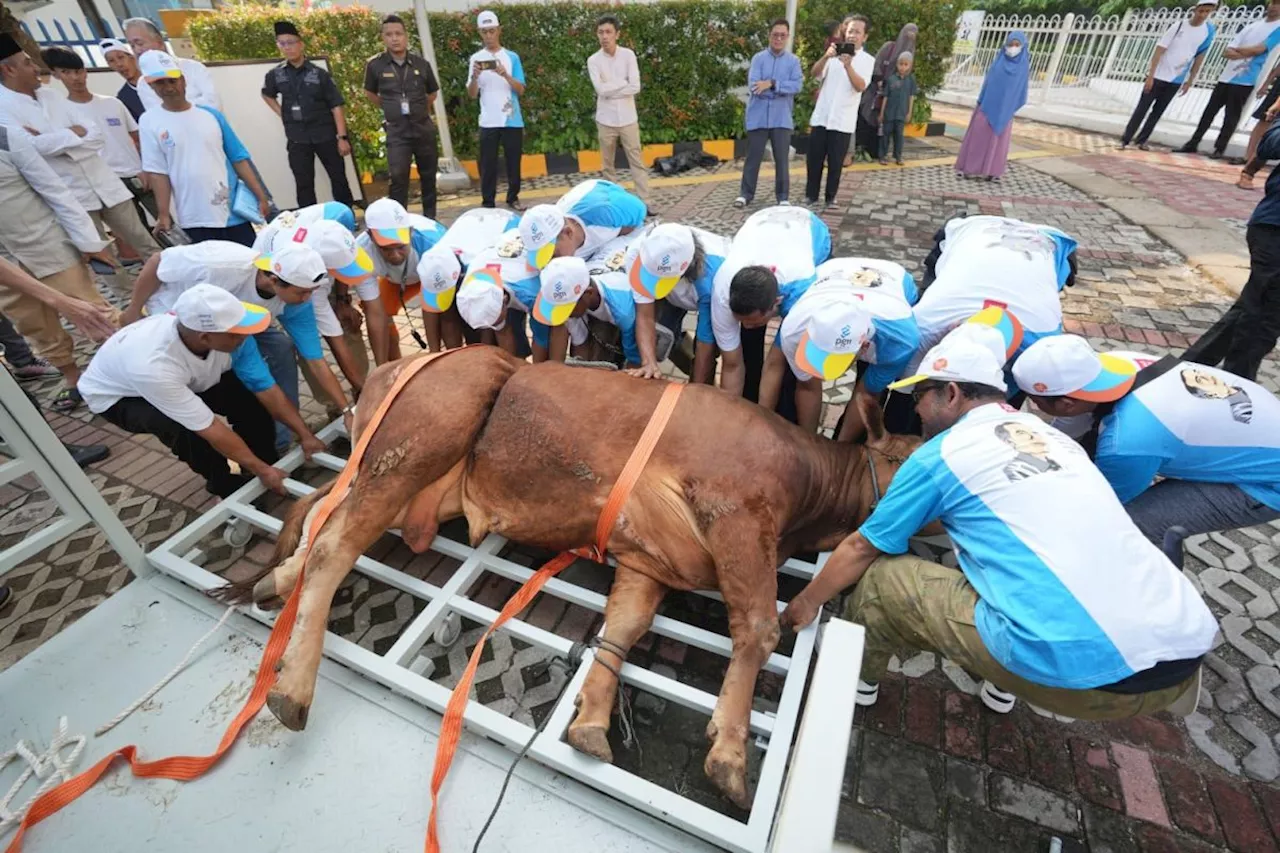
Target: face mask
[{"x": 1013, "y": 50}]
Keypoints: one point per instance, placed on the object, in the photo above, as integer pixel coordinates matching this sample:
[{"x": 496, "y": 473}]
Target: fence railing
[{"x": 1095, "y": 62}]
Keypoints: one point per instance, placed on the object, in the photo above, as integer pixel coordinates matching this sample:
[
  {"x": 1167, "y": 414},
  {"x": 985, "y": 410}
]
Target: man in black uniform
[
  {"x": 403, "y": 84},
  {"x": 314, "y": 124}
]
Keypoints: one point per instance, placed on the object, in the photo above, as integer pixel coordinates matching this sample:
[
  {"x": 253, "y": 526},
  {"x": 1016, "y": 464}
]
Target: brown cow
[{"x": 531, "y": 453}]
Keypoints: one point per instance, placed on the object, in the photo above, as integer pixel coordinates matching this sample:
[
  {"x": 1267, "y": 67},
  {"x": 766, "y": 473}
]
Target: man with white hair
[
  {"x": 1028, "y": 609},
  {"x": 144, "y": 36}
]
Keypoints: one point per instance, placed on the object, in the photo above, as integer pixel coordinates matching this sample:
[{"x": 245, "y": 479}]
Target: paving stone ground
[{"x": 929, "y": 769}]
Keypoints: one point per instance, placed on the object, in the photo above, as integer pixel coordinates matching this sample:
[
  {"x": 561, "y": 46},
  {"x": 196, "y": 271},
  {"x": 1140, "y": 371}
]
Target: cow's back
[{"x": 558, "y": 438}]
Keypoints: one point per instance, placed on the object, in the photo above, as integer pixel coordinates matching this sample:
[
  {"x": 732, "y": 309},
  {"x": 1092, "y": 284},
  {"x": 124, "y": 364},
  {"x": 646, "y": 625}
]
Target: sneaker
[
  {"x": 740, "y": 202},
  {"x": 867, "y": 694},
  {"x": 37, "y": 369},
  {"x": 811, "y": 202},
  {"x": 784, "y": 202},
  {"x": 898, "y": 161},
  {"x": 996, "y": 699},
  {"x": 829, "y": 206},
  {"x": 1186, "y": 149},
  {"x": 87, "y": 454},
  {"x": 1123, "y": 145},
  {"x": 1142, "y": 146},
  {"x": 1216, "y": 155},
  {"x": 1236, "y": 161},
  {"x": 517, "y": 206},
  {"x": 884, "y": 161}
]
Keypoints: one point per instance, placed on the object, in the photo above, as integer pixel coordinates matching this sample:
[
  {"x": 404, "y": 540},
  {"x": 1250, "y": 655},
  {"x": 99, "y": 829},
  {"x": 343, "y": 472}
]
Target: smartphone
[
  {"x": 487, "y": 64},
  {"x": 846, "y": 49}
]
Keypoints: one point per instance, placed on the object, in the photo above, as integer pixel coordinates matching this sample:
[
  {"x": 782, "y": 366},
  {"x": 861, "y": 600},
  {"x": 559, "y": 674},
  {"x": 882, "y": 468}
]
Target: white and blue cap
[
  {"x": 661, "y": 260},
  {"x": 539, "y": 228},
  {"x": 563, "y": 283}
]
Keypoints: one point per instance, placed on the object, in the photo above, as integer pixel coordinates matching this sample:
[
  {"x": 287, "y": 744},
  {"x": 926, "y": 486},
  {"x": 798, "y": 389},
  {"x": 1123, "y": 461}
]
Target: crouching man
[
  {"x": 169, "y": 374},
  {"x": 1059, "y": 598}
]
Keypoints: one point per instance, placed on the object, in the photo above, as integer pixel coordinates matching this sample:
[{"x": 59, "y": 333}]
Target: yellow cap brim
[{"x": 909, "y": 381}]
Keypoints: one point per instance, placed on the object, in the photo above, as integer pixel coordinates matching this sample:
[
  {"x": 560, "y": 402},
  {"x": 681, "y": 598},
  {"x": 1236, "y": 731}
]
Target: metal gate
[{"x": 400, "y": 669}]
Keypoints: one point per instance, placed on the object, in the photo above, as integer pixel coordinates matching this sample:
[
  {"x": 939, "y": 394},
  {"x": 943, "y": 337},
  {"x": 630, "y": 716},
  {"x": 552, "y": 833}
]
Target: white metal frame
[
  {"x": 34, "y": 449},
  {"x": 180, "y": 556}
]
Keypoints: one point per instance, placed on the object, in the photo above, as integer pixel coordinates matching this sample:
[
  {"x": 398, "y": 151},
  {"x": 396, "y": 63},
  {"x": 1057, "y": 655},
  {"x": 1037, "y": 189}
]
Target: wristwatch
[{"x": 343, "y": 137}]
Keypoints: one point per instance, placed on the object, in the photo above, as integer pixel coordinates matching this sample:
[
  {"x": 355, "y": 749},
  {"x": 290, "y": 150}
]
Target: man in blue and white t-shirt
[
  {"x": 1246, "y": 55},
  {"x": 1058, "y": 599},
  {"x": 1213, "y": 437},
  {"x": 496, "y": 77},
  {"x": 773, "y": 260},
  {"x": 1175, "y": 63},
  {"x": 195, "y": 160},
  {"x": 581, "y": 222}
]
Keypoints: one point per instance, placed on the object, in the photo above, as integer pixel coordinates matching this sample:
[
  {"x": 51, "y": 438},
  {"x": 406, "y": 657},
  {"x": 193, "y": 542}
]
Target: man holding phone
[{"x": 497, "y": 79}]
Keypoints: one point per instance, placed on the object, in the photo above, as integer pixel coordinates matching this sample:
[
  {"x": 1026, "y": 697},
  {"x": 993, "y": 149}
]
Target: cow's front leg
[
  {"x": 627, "y": 616},
  {"x": 748, "y": 582}
]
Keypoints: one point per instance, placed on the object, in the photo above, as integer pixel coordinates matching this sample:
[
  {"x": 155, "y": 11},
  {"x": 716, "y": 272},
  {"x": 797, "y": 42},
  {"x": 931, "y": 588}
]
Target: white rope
[
  {"x": 49, "y": 766},
  {"x": 119, "y": 718}
]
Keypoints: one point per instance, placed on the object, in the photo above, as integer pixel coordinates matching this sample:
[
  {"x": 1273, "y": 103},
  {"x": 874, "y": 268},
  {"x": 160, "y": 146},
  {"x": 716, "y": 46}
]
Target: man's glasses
[{"x": 921, "y": 390}]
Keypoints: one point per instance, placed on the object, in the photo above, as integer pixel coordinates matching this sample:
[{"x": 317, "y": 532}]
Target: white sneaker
[
  {"x": 867, "y": 694},
  {"x": 996, "y": 699},
  {"x": 785, "y": 203},
  {"x": 740, "y": 201}
]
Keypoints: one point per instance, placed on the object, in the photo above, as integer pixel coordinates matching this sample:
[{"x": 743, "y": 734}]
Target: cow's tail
[{"x": 241, "y": 591}]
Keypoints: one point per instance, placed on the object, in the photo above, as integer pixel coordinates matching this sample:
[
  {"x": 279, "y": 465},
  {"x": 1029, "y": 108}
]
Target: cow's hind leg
[
  {"x": 355, "y": 525},
  {"x": 749, "y": 584},
  {"x": 628, "y": 614}
]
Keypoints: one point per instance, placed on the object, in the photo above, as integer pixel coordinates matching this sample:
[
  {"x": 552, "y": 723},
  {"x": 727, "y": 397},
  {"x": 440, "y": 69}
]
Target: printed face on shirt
[
  {"x": 1020, "y": 238},
  {"x": 1031, "y": 451},
  {"x": 866, "y": 278},
  {"x": 1206, "y": 386}
]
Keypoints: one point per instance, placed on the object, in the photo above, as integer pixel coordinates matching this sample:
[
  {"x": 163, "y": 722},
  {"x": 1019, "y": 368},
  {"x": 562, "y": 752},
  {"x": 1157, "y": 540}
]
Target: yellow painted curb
[
  {"x": 722, "y": 148},
  {"x": 590, "y": 161}
]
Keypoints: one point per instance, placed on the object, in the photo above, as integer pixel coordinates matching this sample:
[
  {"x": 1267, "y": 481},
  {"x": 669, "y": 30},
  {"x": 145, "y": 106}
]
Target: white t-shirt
[
  {"x": 874, "y": 273},
  {"x": 1244, "y": 72},
  {"x": 113, "y": 118},
  {"x": 499, "y": 104},
  {"x": 195, "y": 149},
  {"x": 148, "y": 359},
  {"x": 837, "y": 105},
  {"x": 780, "y": 238},
  {"x": 685, "y": 294},
  {"x": 218, "y": 262},
  {"x": 1182, "y": 43},
  {"x": 476, "y": 230},
  {"x": 991, "y": 260}
]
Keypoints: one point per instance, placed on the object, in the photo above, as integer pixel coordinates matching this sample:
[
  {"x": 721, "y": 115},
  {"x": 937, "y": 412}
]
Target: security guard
[
  {"x": 314, "y": 124},
  {"x": 403, "y": 84}
]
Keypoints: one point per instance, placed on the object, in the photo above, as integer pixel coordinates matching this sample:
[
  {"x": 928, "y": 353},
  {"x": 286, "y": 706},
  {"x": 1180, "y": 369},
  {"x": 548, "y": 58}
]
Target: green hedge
[{"x": 692, "y": 55}]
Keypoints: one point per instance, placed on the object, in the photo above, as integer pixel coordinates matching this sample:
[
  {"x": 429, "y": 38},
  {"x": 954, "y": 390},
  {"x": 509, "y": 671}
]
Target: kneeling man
[
  {"x": 1059, "y": 599},
  {"x": 168, "y": 374}
]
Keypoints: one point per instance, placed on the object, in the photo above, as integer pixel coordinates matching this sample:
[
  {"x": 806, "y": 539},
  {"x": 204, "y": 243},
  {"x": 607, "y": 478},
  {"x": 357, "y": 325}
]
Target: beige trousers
[
  {"x": 629, "y": 136},
  {"x": 908, "y": 604},
  {"x": 40, "y": 324}
]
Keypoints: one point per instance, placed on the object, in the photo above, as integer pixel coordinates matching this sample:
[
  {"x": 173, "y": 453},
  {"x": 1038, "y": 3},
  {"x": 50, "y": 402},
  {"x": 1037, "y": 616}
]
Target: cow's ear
[{"x": 872, "y": 417}]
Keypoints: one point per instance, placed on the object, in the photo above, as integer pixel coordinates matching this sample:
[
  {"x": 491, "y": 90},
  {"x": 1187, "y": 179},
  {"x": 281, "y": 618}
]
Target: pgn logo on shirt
[{"x": 166, "y": 140}]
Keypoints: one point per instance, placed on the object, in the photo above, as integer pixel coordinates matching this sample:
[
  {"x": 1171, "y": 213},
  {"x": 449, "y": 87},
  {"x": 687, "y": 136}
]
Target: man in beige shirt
[{"x": 616, "y": 76}]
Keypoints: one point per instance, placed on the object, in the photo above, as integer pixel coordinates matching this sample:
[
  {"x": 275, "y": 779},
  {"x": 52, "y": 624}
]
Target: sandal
[
  {"x": 68, "y": 400},
  {"x": 1245, "y": 182}
]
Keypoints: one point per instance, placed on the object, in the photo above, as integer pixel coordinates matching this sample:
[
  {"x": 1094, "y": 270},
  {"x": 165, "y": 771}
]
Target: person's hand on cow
[
  {"x": 646, "y": 371},
  {"x": 799, "y": 613}
]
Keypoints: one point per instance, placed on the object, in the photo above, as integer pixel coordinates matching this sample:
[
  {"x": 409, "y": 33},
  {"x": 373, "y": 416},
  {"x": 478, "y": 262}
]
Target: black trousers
[
  {"x": 1249, "y": 329},
  {"x": 400, "y": 152},
  {"x": 512, "y": 141},
  {"x": 242, "y": 234},
  {"x": 1233, "y": 98},
  {"x": 829, "y": 147},
  {"x": 1157, "y": 100},
  {"x": 779, "y": 139},
  {"x": 230, "y": 398},
  {"x": 302, "y": 162},
  {"x": 867, "y": 136},
  {"x": 753, "y": 361}
]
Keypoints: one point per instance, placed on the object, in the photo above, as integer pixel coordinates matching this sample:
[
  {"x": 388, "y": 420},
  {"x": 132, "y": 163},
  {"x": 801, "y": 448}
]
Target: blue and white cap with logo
[
  {"x": 539, "y": 228},
  {"x": 563, "y": 283},
  {"x": 661, "y": 260}
]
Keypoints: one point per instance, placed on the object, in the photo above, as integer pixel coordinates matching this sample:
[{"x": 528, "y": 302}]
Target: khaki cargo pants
[
  {"x": 908, "y": 605},
  {"x": 40, "y": 324}
]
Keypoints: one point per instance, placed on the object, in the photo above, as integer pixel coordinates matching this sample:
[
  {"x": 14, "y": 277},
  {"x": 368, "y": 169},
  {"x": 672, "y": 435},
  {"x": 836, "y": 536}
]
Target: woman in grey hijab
[{"x": 867, "y": 142}]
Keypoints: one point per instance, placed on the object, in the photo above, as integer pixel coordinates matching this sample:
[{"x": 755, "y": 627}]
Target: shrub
[{"x": 692, "y": 54}]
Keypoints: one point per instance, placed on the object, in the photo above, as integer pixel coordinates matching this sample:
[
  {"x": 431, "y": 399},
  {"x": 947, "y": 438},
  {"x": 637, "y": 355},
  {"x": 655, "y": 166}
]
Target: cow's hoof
[
  {"x": 593, "y": 740},
  {"x": 730, "y": 776},
  {"x": 264, "y": 592},
  {"x": 291, "y": 713}
]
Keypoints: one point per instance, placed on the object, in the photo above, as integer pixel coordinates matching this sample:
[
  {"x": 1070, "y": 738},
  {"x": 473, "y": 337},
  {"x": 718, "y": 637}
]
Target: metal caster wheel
[
  {"x": 449, "y": 630},
  {"x": 237, "y": 533}
]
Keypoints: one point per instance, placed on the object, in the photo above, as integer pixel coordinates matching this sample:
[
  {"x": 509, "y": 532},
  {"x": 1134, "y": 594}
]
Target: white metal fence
[{"x": 1094, "y": 63}]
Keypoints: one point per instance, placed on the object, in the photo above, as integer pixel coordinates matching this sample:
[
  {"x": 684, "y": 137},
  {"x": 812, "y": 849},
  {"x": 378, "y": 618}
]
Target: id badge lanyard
[{"x": 401, "y": 79}]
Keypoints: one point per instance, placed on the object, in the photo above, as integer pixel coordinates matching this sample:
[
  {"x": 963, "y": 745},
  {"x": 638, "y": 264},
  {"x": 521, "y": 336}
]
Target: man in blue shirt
[
  {"x": 1249, "y": 329},
  {"x": 1058, "y": 598},
  {"x": 772, "y": 84},
  {"x": 1213, "y": 437}
]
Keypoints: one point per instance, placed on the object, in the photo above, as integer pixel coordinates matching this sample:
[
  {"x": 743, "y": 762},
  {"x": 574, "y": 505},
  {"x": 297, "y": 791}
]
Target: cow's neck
[{"x": 833, "y": 502}]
